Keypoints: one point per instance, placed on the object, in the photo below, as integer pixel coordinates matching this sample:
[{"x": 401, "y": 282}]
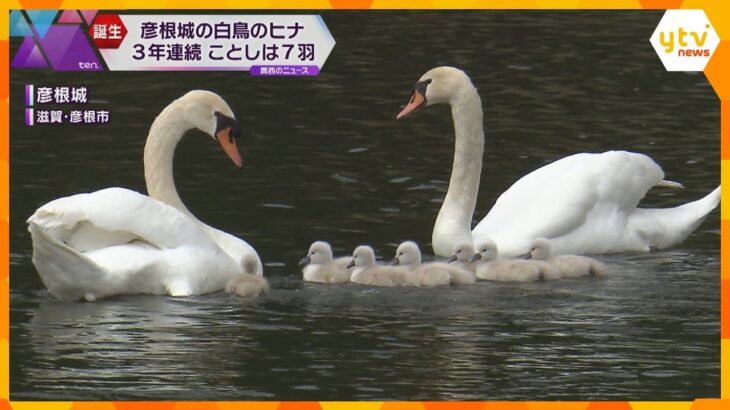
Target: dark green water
[{"x": 325, "y": 159}]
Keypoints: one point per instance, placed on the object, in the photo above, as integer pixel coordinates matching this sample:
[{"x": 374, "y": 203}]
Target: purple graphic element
[
  {"x": 28, "y": 56},
  {"x": 88, "y": 15},
  {"x": 70, "y": 16},
  {"x": 284, "y": 70},
  {"x": 68, "y": 49},
  {"x": 28, "y": 117},
  {"x": 18, "y": 25},
  {"x": 29, "y": 95},
  {"x": 41, "y": 20}
]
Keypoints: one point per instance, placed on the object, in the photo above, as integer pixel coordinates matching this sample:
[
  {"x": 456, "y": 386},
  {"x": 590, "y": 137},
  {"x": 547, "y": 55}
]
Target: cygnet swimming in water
[
  {"x": 248, "y": 284},
  {"x": 494, "y": 268},
  {"x": 367, "y": 272},
  {"x": 463, "y": 257},
  {"x": 320, "y": 266},
  {"x": 430, "y": 274},
  {"x": 570, "y": 266}
]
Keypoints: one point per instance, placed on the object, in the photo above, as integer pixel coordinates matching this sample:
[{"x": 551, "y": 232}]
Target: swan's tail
[
  {"x": 66, "y": 273},
  {"x": 664, "y": 228}
]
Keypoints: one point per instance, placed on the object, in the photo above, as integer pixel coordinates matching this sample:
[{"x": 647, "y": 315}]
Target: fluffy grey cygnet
[
  {"x": 463, "y": 257},
  {"x": 492, "y": 267},
  {"x": 368, "y": 272},
  {"x": 248, "y": 284},
  {"x": 570, "y": 266},
  {"x": 320, "y": 266},
  {"x": 430, "y": 274}
]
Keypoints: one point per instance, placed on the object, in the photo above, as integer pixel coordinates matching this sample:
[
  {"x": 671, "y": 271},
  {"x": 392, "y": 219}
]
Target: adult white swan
[
  {"x": 584, "y": 203},
  {"x": 117, "y": 241}
]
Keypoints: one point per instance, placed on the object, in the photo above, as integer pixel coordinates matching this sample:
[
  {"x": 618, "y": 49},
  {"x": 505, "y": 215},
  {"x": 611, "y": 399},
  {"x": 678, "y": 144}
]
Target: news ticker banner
[
  {"x": 88, "y": 40},
  {"x": 264, "y": 45}
]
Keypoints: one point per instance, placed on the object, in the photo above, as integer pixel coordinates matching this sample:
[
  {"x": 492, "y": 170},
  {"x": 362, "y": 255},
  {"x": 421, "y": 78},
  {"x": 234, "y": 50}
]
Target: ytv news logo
[{"x": 684, "y": 40}]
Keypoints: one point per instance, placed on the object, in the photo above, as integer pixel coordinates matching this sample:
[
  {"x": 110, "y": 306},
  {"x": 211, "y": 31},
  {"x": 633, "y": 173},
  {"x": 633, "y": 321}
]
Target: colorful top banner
[{"x": 261, "y": 44}]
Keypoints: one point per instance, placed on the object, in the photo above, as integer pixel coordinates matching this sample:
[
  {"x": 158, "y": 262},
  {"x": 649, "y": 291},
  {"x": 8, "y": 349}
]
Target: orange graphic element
[
  {"x": 395, "y": 405},
  {"x": 717, "y": 69},
  {"x": 609, "y": 405},
  {"x": 453, "y": 405},
  {"x": 716, "y": 11},
  {"x": 709, "y": 404},
  {"x": 196, "y": 405},
  {"x": 92, "y": 405},
  {"x": 351, "y": 4},
  {"x": 41, "y": 4},
  {"x": 549, "y": 405},
  {"x": 724, "y": 251},
  {"x": 4, "y": 50},
  {"x": 4, "y": 201},
  {"x": 4, "y": 92},
  {"x": 4, "y": 283},
  {"x": 725, "y": 301},
  {"x": 661, "y": 4},
  {"x": 136, "y": 405},
  {"x": 250, "y": 405},
  {"x": 505, "y": 405},
  {"x": 299, "y": 405},
  {"x": 4, "y": 129},
  {"x": 724, "y": 127}
]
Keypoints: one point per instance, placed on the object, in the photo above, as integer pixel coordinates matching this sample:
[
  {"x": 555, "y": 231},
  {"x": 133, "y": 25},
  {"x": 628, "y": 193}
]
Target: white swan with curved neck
[
  {"x": 116, "y": 241},
  {"x": 583, "y": 203}
]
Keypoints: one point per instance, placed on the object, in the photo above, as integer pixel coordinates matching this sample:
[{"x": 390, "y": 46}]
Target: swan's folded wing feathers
[
  {"x": 529, "y": 210},
  {"x": 56, "y": 256},
  {"x": 559, "y": 197},
  {"x": 116, "y": 216},
  {"x": 235, "y": 247}
]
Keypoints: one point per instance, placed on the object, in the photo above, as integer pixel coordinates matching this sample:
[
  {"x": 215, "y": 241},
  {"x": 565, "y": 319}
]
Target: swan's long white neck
[
  {"x": 165, "y": 134},
  {"x": 453, "y": 223}
]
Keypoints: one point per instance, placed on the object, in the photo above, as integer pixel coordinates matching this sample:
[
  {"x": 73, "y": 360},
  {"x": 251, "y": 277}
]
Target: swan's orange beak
[
  {"x": 228, "y": 143},
  {"x": 417, "y": 100}
]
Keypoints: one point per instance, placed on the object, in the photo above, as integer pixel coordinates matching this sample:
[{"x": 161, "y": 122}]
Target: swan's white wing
[
  {"x": 117, "y": 216},
  {"x": 72, "y": 275},
  {"x": 561, "y": 197},
  {"x": 117, "y": 241},
  {"x": 236, "y": 248}
]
